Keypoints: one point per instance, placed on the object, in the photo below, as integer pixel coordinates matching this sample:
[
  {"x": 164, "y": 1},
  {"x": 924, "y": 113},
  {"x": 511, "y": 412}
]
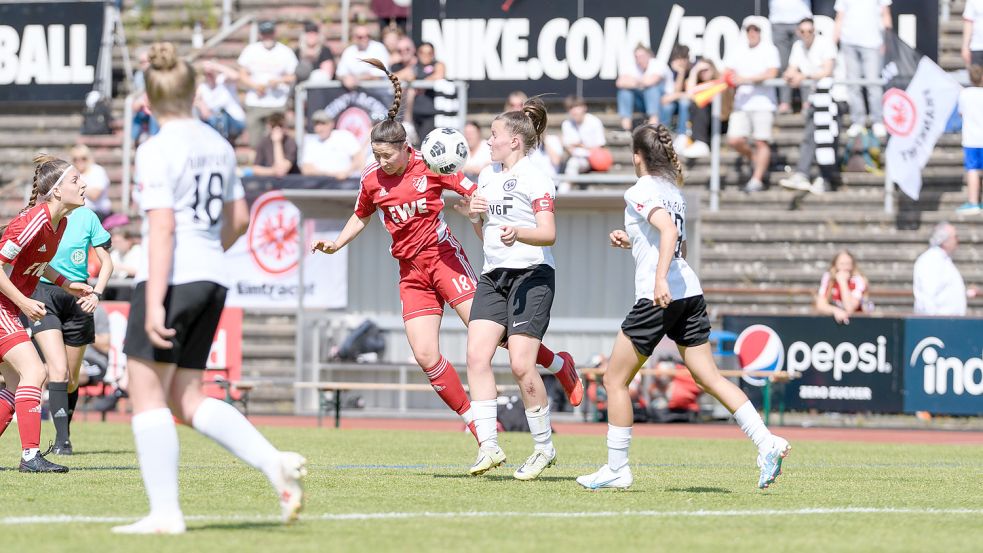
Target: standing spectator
[
  {"x": 675, "y": 100},
  {"x": 813, "y": 58},
  {"x": 581, "y": 133},
  {"x": 351, "y": 69},
  {"x": 276, "y": 155},
  {"x": 843, "y": 290},
  {"x": 329, "y": 151},
  {"x": 971, "y": 108},
  {"x": 785, "y": 16},
  {"x": 859, "y": 30},
  {"x": 754, "y": 103},
  {"x": 315, "y": 61},
  {"x": 640, "y": 87},
  {"x": 96, "y": 181},
  {"x": 972, "y": 48},
  {"x": 217, "y": 101},
  {"x": 266, "y": 69},
  {"x": 480, "y": 153},
  {"x": 938, "y": 287}
]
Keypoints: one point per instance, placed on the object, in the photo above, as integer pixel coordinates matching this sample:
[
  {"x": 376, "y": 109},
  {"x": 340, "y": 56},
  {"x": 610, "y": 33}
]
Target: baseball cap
[{"x": 267, "y": 27}]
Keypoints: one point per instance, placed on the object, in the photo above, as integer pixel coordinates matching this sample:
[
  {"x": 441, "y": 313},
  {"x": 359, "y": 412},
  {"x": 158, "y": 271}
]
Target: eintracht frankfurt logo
[{"x": 273, "y": 237}]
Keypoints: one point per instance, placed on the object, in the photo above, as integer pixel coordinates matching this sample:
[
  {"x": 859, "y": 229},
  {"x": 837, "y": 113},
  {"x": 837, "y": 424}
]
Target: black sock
[
  {"x": 58, "y": 405},
  {"x": 73, "y": 399}
]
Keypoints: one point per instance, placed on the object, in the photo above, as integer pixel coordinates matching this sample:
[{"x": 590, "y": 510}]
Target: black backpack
[
  {"x": 512, "y": 415},
  {"x": 366, "y": 338},
  {"x": 97, "y": 119}
]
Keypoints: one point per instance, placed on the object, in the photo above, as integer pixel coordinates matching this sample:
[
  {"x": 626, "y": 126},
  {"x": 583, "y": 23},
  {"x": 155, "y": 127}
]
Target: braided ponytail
[
  {"x": 389, "y": 130},
  {"x": 665, "y": 138},
  {"x": 653, "y": 143}
]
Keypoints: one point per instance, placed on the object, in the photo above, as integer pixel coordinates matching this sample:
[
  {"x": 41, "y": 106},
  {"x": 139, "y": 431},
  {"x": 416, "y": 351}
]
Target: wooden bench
[{"x": 230, "y": 387}]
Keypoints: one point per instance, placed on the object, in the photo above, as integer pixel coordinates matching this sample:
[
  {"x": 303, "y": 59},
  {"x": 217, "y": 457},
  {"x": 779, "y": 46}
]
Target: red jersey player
[
  {"x": 28, "y": 243},
  {"x": 433, "y": 268}
]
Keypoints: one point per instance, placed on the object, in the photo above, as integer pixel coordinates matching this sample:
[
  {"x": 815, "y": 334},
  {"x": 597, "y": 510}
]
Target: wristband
[
  {"x": 475, "y": 219},
  {"x": 60, "y": 281}
]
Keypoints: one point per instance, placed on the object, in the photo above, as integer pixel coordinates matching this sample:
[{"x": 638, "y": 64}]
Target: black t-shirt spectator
[
  {"x": 305, "y": 65},
  {"x": 264, "y": 153}
]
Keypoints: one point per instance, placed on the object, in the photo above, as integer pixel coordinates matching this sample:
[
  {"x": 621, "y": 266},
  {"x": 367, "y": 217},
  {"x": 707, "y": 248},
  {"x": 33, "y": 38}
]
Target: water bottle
[{"x": 197, "y": 38}]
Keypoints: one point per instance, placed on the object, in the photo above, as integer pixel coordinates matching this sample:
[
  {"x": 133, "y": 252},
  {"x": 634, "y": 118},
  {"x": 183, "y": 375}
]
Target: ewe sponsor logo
[{"x": 945, "y": 375}]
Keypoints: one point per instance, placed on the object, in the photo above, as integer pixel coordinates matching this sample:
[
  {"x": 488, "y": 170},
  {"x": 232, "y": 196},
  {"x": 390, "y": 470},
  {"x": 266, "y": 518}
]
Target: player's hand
[
  {"x": 463, "y": 206},
  {"x": 619, "y": 239},
  {"x": 479, "y": 204},
  {"x": 662, "y": 296},
  {"x": 276, "y": 134},
  {"x": 324, "y": 246},
  {"x": 79, "y": 289},
  {"x": 509, "y": 235},
  {"x": 88, "y": 303},
  {"x": 33, "y": 309},
  {"x": 159, "y": 335}
]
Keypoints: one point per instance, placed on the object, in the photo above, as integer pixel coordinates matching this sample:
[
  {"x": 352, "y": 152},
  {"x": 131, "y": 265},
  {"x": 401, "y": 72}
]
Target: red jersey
[
  {"x": 28, "y": 244},
  {"x": 410, "y": 204}
]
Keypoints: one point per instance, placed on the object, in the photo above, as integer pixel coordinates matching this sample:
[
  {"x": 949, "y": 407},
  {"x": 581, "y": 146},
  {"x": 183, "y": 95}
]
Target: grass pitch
[{"x": 408, "y": 491}]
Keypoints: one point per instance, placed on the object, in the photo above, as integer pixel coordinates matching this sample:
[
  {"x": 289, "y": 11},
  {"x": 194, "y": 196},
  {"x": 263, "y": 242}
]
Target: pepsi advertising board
[
  {"x": 944, "y": 366},
  {"x": 846, "y": 368}
]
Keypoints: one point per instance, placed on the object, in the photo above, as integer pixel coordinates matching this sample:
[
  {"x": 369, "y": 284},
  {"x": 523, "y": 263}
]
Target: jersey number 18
[{"x": 204, "y": 202}]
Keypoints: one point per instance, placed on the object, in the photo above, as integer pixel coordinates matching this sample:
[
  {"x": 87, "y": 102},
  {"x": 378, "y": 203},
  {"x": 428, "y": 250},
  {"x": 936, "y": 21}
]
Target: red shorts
[
  {"x": 12, "y": 331},
  {"x": 436, "y": 275}
]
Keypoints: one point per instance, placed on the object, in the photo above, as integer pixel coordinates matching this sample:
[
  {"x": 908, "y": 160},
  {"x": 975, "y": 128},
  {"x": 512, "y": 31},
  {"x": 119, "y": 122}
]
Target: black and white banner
[{"x": 49, "y": 50}]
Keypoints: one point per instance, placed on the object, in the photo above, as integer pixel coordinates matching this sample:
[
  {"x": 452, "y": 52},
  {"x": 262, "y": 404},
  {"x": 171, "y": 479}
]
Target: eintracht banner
[{"x": 915, "y": 118}]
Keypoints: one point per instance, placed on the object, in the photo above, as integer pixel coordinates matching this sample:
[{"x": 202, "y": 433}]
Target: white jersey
[
  {"x": 190, "y": 168},
  {"x": 514, "y": 197},
  {"x": 648, "y": 194}
]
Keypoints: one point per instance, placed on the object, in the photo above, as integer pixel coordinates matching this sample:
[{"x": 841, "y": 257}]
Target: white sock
[
  {"x": 468, "y": 415},
  {"x": 540, "y": 428},
  {"x": 749, "y": 420},
  {"x": 485, "y": 414},
  {"x": 155, "y": 436},
  {"x": 29, "y": 453},
  {"x": 619, "y": 440},
  {"x": 557, "y": 364},
  {"x": 226, "y": 425}
]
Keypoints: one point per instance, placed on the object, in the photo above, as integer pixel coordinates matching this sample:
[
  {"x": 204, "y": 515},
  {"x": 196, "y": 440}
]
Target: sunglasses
[
  {"x": 360, "y": 37},
  {"x": 80, "y": 159}
]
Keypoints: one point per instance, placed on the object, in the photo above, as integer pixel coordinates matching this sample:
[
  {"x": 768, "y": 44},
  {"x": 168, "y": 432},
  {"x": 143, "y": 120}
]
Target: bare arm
[
  {"x": 160, "y": 256},
  {"x": 544, "y": 234},
  {"x": 353, "y": 228},
  {"x": 886, "y": 21},
  {"x": 105, "y": 270},
  {"x": 235, "y": 222}
]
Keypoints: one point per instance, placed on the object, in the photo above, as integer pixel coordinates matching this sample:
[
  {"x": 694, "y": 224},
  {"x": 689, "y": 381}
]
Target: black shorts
[
  {"x": 685, "y": 321},
  {"x": 192, "y": 310},
  {"x": 62, "y": 312},
  {"x": 518, "y": 299}
]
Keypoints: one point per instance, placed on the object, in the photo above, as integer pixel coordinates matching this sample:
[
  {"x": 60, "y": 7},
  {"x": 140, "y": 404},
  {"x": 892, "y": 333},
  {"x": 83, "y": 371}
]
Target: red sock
[
  {"x": 544, "y": 358},
  {"x": 28, "y": 407},
  {"x": 443, "y": 377},
  {"x": 6, "y": 409}
]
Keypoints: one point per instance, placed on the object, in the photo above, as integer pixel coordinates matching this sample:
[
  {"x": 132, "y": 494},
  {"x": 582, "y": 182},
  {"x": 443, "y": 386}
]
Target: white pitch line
[{"x": 330, "y": 517}]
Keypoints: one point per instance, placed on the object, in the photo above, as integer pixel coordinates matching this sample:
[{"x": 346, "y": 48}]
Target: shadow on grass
[
  {"x": 502, "y": 477},
  {"x": 237, "y": 525},
  {"x": 104, "y": 452},
  {"x": 699, "y": 489}
]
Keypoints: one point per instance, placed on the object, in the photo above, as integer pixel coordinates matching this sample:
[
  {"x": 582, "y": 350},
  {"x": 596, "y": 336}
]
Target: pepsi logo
[{"x": 759, "y": 349}]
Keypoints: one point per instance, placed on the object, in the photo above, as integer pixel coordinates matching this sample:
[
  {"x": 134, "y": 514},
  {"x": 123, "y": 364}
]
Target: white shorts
[{"x": 756, "y": 124}]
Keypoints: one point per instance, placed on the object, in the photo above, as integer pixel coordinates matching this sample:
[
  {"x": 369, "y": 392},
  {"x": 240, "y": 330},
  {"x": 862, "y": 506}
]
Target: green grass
[{"x": 417, "y": 472}]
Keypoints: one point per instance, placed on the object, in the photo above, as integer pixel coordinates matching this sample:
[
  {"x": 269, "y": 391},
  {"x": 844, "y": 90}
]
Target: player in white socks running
[
  {"x": 669, "y": 301},
  {"x": 194, "y": 210},
  {"x": 515, "y": 290}
]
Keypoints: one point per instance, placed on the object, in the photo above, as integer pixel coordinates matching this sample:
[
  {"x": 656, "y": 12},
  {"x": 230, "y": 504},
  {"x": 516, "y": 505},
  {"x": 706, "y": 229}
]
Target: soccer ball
[{"x": 445, "y": 150}]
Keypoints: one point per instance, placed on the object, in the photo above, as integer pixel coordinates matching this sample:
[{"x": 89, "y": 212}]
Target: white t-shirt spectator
[
  {"x": 265, "y": 65},
  {"x": 589, "y": 134},
  {"x": 861, "y": 22},
  {"x": 222, "y": 97},
  {"x": 96, "y": 178},
  {"x": 748, "y": 62},
  {"x": 939, "y": 288},
  {"x": 654, "y": 67},
  {"x": 333, "y": 154},
  {"x": 974, "y": 12},
  {"x": 971, "y": 108},
  {"x": 811, "y": 61},
  {"x": 788, "y": 12},
  {"x": 351, "y": 62}
]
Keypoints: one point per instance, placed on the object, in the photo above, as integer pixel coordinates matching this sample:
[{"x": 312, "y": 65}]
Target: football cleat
[
  {"x": 605, "y": 479},
  {"x": 535, "y": 465},
  {"x": 288, "y": 485},
  {"x": 488, "y": 458},
  {"x": 39, "y": 464},
  {"x": 770, "y": 460}
]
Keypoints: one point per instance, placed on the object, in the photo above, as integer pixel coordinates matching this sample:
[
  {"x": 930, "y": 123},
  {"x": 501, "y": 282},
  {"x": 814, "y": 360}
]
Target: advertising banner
[
  {"x": 835, "y": 367},
  {"x": 944, "y": 366},
  {"x": 49, "y": 50}
]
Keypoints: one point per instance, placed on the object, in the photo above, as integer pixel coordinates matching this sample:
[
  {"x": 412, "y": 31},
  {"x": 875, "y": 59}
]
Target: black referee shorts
[{"x": 62, "y": 312}]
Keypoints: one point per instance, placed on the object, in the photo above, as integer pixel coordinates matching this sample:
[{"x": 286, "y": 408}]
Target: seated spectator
[
  {"x": 843, "y": 289},
  {"x": 351, "y": 69},
  {"x": 938, "y": 285},
  {"x": 581, "y": 133},
  {"x": 640, "y": 87},
  {"x": 785, "y": 17},
  {"x": 674, "y": 398},
  {"x": 813, "y": 58},
  {"x": 330, "y": 152},
  {"x": 390, "y": 36},
  {"x": 674, "y": 100},
  {"x": 276, "y": 155},
  {"x": 515, "y": 100},
  {"x": 126, "y": 253},
  {"x": 699, "y": 147},
  {"x": 96, "y": 180},
  {"x": 405, "y": 68},
  {"x": 217, "y": 101},
  {"x": 315, "y": 61},
  {"x": 548, "y": 155},
  {"x": 749, "y": 128},
  {"x": 480, "y": 152},
  {"x": 266, "y": 70}
]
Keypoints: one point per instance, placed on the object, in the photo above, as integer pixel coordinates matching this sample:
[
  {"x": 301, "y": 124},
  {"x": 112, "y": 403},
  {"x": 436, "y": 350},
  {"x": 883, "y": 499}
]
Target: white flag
[{"x": 915, "y": 118}]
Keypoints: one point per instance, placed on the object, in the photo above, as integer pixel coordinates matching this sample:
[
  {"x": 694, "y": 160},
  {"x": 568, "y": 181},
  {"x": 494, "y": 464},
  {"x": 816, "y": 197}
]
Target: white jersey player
[
  {"x": 669, "y": 302},
  {"x": 193, "y": 211}
]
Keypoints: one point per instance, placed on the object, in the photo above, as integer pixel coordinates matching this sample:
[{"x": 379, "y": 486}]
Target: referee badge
[
  {"x": 509, "y": 185},
  {"x": 78, "y": 257}
]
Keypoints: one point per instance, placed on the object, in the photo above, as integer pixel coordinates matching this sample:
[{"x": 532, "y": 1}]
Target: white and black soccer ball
[{"x": 445, "y": 150}]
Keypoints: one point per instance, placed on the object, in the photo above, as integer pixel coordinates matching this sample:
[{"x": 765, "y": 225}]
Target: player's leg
[
  {"x": 20, "y": 353},
  {"x": 10, "y": 381},
  {"x": 74, "y": 355},
  {"x": 423, "y": 334},
  {"x": 52, "y": 346},
  {"x": 78, "y": 331}
]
